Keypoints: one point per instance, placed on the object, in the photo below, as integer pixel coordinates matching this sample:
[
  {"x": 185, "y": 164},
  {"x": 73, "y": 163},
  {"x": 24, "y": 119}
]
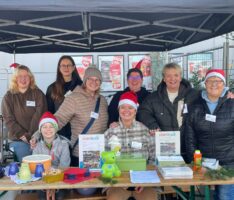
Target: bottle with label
[{"x": 197, "y": 160}]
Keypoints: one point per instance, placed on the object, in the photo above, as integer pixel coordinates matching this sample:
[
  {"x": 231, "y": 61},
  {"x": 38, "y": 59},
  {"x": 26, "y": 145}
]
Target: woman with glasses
[
  {"x": 210, "y": 127},
  {"x": 22, "y": 107},
  {"x": 78, "y": 108},
  {"x": 67, "y": 79},
  {"x": 135, "y": 80}
]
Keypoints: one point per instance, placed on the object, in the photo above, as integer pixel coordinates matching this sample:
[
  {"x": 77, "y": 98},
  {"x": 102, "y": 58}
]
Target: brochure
[
  {"x": 176, "y": 172},
  {"x": 167, "y": 143},
  {"x": 170, "y": 161},
  {"x": 150, "y": 176},
  {"x": 90, "y": 148}
]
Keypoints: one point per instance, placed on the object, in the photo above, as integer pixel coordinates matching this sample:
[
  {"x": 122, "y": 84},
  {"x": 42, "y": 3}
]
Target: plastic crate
[{"x": 127, "y": 162}]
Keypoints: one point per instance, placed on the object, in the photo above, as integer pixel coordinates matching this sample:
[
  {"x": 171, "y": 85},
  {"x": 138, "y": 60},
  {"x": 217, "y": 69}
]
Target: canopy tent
[{"x": 110, "y": 26}]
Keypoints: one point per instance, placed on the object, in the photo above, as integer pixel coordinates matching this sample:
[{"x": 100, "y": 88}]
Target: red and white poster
[
  {"x": 144, "y": 63},
  {"x": 111, "y": 68},
  {"x": 199, "y": 63},
  {"x": 82, "y": 63}
]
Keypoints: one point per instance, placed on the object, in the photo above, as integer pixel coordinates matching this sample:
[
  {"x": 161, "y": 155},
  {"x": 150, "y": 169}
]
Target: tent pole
[
  {"x": 226, "y": 58},
  {"x": 14, "y": 56}
]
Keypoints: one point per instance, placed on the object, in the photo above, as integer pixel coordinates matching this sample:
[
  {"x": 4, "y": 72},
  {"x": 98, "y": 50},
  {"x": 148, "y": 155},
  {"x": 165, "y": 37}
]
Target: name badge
[
  {"x": 185, "y": 109},
  {"x": 136, "y": 145},
  {"x": 67, "y": 93},
  {"x": 94, "y": 115},
  {"x": 30, "y": 103},
  {"x": 211, "y": 118}
]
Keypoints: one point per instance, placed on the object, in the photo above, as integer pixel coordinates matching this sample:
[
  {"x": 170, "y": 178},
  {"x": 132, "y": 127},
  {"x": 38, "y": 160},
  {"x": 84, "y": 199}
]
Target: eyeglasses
[
  {"x": 94, "y": 80},
  {"x": 216, "y": 82},
  {"x": 66, "y": 66},
  {"x": 134, "y": 78}
]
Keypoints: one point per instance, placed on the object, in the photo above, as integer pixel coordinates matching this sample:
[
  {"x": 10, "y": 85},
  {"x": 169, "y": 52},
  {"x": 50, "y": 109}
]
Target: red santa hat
[
  {"x": 48, "y": 117},
  {"x": 129, "y": 98},
  {"x": 14, "y": 65},
  {"x": 138, "y": 65},
  {"x": 216, "y": 72}
]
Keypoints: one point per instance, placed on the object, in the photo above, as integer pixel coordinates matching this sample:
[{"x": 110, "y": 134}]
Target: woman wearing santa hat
[
  {"x": 132, "y": 137},
  {"x": 210, "y": 127}
]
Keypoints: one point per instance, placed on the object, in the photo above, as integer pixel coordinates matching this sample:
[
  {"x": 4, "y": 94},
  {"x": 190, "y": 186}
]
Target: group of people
[{"x": 204, "y": 118}]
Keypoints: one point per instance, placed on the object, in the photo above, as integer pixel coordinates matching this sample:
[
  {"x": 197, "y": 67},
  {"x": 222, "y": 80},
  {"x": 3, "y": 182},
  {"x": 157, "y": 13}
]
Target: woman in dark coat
[{"x": 210, "y": 127}]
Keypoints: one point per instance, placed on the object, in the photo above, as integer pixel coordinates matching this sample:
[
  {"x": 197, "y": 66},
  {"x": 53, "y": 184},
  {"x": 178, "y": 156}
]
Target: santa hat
[
  {"x": 48, "y": 117},
  {"x": 129, "y": 98},
  {"x": 138, "y": 65},
  {"x": 14, "y": 65},
  {"x": 216, "y": 72}
]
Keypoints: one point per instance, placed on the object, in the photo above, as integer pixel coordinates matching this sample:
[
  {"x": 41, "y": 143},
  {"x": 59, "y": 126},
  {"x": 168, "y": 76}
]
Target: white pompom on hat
[
  {"x": 129, "y": 98},
  {"x": 48, "y": 117},
  {"x": 216, "y": 72}
]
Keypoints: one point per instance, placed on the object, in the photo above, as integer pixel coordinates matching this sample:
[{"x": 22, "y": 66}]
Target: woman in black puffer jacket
[{"x": 210, "y": 127}]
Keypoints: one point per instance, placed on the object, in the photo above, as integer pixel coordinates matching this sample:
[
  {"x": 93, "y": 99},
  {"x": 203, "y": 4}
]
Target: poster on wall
[
  {"x": 199, "y": 63},
  {"x": 111, "y": 68},
  {"x": 82, "y": 63},
  {"x": 144, "y": 63}
]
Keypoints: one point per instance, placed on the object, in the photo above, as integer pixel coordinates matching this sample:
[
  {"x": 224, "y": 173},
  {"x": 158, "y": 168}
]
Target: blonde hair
[
  {"x": 13, "y": 83},
  {"x": 171, "y": 66}
]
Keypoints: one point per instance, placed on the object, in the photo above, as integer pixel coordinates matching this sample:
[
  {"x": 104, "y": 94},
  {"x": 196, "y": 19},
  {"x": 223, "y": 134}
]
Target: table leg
[
  {"x": 192, "y": 192},
  {"x": 180, "y": 192},
  {"x": 207, "y": 192}
]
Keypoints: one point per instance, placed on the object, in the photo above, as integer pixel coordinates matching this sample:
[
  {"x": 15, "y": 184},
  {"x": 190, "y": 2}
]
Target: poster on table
[
  {"x": 144, "y": 63},
  {"x": 167, "y": 143},
  {"x": 82, "y": 63},
  {"x": 199, "y": 63},
  {"x": 111, "y": 68},
  {"x": 90, "y": 148}
]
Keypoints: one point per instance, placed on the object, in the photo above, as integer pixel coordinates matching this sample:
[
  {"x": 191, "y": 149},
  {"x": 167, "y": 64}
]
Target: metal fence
[{"x": 198, "y": 63}]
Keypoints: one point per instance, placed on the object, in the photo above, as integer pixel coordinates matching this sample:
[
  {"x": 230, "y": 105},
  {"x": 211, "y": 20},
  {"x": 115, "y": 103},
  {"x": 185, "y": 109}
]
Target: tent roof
[{"x": 110, "y": 26}]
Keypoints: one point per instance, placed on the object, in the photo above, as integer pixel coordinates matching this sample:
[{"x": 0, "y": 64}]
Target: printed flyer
[
  {"x": 167, "y": 143},
  {"x": 90, "y": 148}
]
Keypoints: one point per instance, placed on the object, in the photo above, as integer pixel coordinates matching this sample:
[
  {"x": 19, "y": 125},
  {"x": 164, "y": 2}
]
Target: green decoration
[
  {"x": 196, "y": 80},
  {"x": 109, "y": 167},
  {"x": 220, "y": 174}
]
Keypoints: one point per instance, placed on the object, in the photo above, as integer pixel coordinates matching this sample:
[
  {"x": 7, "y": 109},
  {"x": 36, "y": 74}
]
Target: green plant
[
  {"x": 196, "y": 80},
  {"x": 231, "y": 85}
]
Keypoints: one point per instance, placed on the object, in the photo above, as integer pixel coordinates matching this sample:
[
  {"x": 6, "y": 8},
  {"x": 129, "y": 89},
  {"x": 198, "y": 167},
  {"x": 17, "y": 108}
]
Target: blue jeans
[
  {"x": 21, "y": 149},
  {"x": 224, "y": 192}
]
